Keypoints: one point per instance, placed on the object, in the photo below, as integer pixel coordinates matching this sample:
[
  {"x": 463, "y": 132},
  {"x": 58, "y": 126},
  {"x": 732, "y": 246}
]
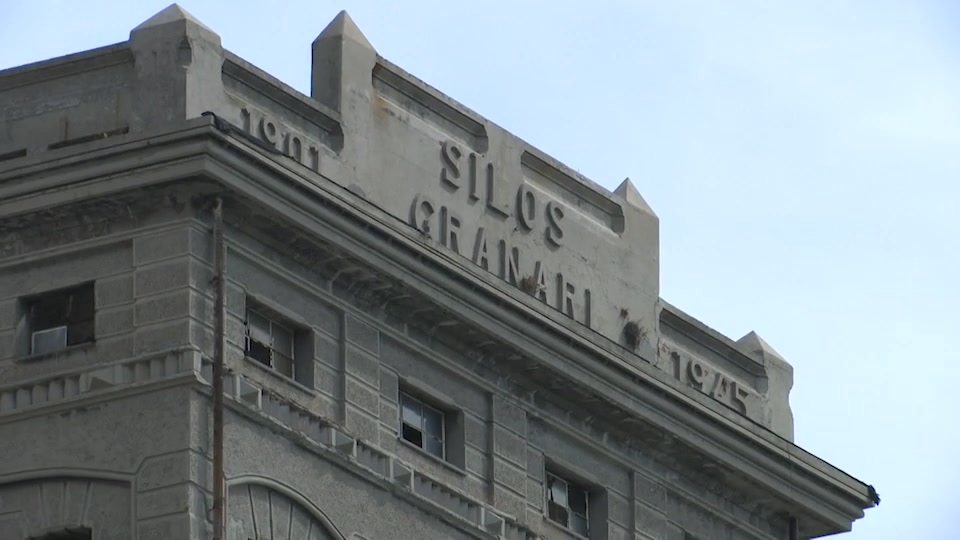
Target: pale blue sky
[{"x": 803, "y": 157}]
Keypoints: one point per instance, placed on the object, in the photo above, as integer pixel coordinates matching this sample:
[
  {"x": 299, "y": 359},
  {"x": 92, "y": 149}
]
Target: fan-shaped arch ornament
[
  {"x": 58, "y": 500},
  {"x": 259, "y": 507}
]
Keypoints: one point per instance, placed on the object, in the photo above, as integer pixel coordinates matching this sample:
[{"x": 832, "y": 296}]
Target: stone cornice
[{"x": 825, "y": 498}]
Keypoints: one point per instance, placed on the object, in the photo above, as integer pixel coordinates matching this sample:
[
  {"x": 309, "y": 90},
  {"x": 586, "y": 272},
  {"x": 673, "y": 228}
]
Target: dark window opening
[
  {"x": 69, "y": 533},
  {"x": 61, "y": 319},
  {"x": 412, "y": 435}
]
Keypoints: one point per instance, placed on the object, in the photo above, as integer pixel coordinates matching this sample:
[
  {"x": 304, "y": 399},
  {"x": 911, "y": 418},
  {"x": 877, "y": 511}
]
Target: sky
[{"x": 803, "y": 159}]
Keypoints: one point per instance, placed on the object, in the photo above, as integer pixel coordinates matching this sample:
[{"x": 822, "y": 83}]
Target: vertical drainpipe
[
  {"x": 219, "y": 487},
  {"x": 794, "y": 529}
]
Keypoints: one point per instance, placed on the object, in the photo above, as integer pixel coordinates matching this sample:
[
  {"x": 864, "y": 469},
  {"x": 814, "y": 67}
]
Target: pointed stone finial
[
  {"x": 630, "y": 194},
  {"x": 342, "y": 27},
  {"x": 170, "y": 14},
  {"x": 778, "y": 384},
  {"x": 343, "y": 62},
  {"x": 754, "y": 345},
  {"x": 178, "y": 63}
]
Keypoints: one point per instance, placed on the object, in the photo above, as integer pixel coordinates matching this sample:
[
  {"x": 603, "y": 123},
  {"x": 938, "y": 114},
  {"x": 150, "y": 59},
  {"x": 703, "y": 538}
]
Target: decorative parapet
[
  {"x": 747, "y": 376},
  {"x": 477, "y": 193}
]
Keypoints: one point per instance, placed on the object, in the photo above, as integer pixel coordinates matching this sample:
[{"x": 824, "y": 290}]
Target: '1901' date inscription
[{"x": 293, "y": 145}]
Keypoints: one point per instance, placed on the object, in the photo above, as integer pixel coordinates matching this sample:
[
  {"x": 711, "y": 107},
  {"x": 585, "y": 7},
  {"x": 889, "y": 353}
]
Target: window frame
[
  {"x": 444, "y": 419},
  {"x": 551, "y": 473},
  {"x": 454, "y": 419},
  {"x": 79, "y": 311},
  {"x": 303, "y": 370},
  {"x": 272, "y": 321}
]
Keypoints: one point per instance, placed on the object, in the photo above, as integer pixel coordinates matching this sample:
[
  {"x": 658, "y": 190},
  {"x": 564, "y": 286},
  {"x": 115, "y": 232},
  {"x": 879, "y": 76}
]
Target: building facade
[{"x": 432, "y": 330}]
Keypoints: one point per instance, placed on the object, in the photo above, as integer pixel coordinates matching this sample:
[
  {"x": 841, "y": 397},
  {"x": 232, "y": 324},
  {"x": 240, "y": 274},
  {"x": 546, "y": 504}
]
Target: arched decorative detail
[
  {"x": 65, "y": 472},
  {"x": 53, "y": 499},
  {"x": 260, "y": 507}
]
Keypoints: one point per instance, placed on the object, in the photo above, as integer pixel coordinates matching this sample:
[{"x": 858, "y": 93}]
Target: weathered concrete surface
[
  {"x": 177, "y": 62},
  {"x": 482, "y": 196},
  {"x": 89, "y": 138}
]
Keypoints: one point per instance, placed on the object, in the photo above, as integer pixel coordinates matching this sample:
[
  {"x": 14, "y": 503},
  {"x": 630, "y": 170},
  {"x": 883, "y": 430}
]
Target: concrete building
[{"x": 432, "y": 329}]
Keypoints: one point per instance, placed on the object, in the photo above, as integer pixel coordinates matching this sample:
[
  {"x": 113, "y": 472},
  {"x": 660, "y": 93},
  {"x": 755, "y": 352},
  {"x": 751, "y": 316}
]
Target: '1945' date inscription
[{"x": 711, "y": 382}]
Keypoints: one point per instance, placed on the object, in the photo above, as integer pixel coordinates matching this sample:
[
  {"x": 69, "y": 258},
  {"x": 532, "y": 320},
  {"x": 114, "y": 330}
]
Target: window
[
  {"x": 270, "y": 343},
  {"x": 568, "y": 504},
  {"x": 432, "y": 422},
  {"x": 69, "y": 533},
  {"x": 275, "y": 342},
  {"x": 59, "y": 319},
  {"x": 423, "y": 425}
]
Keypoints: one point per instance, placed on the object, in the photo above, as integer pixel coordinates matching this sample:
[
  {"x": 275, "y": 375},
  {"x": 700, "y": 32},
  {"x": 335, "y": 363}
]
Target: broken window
[
  {"x": 568, "y": 504},
  {"x": 271, "y": 343},
  {"x": 60, "y": 319}
]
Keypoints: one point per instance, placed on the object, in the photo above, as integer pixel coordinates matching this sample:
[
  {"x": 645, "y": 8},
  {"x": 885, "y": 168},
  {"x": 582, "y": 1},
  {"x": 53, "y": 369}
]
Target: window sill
[
  {"x": 442, "y": 462},
  {"x": 69, "y": 350},
  {"x": 563, "y": 528},
  {"x": 281, "y": 377}
]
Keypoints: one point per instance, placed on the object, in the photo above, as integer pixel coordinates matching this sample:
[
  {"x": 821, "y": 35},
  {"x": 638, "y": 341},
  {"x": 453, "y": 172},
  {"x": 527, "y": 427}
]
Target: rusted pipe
[{"x": 219, "y": 485}]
